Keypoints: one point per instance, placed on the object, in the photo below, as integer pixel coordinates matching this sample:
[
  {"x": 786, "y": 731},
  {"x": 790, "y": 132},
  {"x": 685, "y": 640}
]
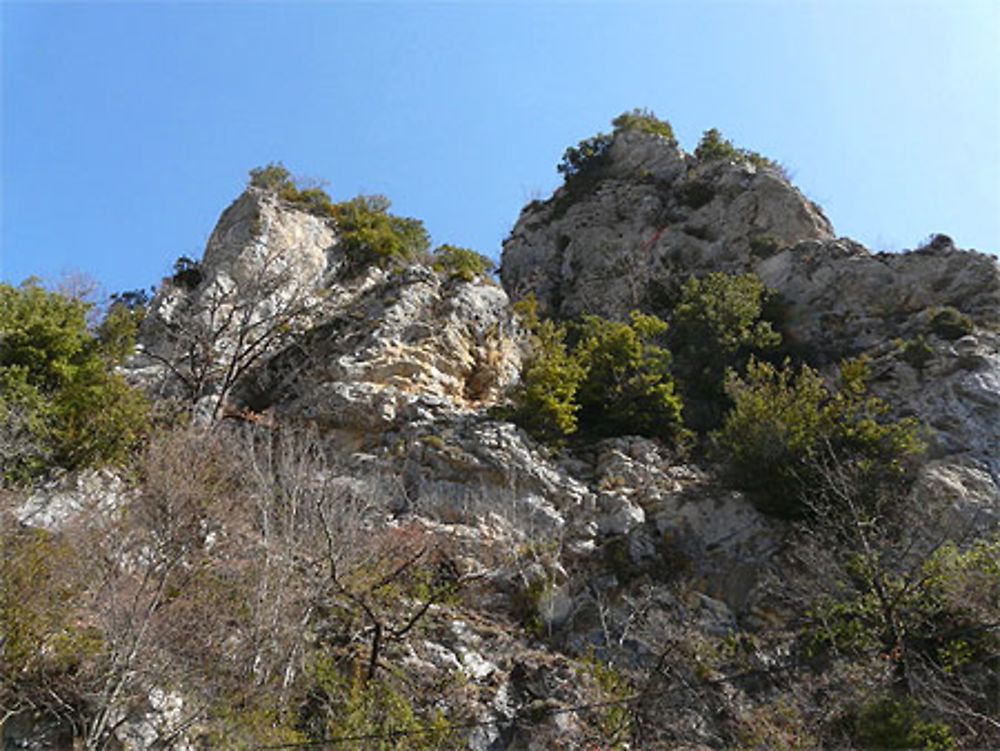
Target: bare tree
[{"x": 229, "y": 322}]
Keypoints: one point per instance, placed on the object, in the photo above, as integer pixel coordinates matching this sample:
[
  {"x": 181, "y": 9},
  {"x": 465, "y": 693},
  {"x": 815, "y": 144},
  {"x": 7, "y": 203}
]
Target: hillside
[{"x": 696, "y": 473}]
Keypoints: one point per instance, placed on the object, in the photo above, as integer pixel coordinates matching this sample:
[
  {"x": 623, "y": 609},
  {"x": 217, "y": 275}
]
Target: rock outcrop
[
  {"x": 621, "y": 548},
  {"x": 653, "y": 216}
]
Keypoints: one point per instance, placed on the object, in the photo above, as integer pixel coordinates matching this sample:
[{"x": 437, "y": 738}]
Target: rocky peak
[
  {"x": 277, "y": 313},
  {"x": 646, "y": 218}
]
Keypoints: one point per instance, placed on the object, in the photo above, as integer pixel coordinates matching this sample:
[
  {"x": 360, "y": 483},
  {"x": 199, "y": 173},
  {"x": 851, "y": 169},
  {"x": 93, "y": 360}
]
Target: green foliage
[
  {"x": 695, "y": 193},
  {"x": 461, "y": 263},
  {"x": 782, "y": 422},
  {"x": 613, "y": 376},
  {"x": 60, "y": 392},
  {"x": 586, "y": 156},
  {"x": 644, "y": 121},
  {"x": 273, "y": 176},
  {"x": 375, "y": 712},
  {"x": 949, "y": 323},
  {"x": 764, "y": 246},
  {"x": 714, "y": 147},
  {"x": 949, "y": 614},
  {"x": 276, "y": 179},
  {"x": 187, "y": 273},
  {"x": 627, "y": 388},
  {"x": 891, "y": 723},
  {"x": 615, "y": 722},
  {"x": 917, "y": 352},
  {"x": 45, "y": 648},
  {"x": 372, "y": 235},
  {"x": 116, "y": 333},
  {"x": 590, "y": 153},
  {"x": 717, "y": 325},
  {"x": 545, "y": 400}
]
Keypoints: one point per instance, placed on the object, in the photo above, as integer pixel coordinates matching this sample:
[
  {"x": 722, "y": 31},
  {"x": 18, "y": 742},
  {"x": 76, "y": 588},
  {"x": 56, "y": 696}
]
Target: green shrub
[
  {"x": 644, "y": 121},
  {"x": 276, "y": 179},
  {"x": 917, "y": 353},
  {"x": 628, "y": 387},
  {"x": 461, "y": 263},
  {"x": 717, "y": 325},
  {"x": 273, "y": 176},
  {"x": 612, "y": 381},
  {"x": 764, "y": 246},
  {"x": 60, "y": 394},
  {"x": 714, "y": 147},
  {"x": 374, "y": 713},
  {"x": 47, "y": 652},
  {"x": 372, "y": 235},
  {"x": 782, "y": 422},
  {"x": 118, "y": 329},
  {"x": 188, "y": 273},
  {"x": 695, "y": 193},
  {"x": 588, "y": 155},
  {"x": 545, "y": 399},
  {"x": 950, "y": 323},
  {"x": 892, "y": 724}
]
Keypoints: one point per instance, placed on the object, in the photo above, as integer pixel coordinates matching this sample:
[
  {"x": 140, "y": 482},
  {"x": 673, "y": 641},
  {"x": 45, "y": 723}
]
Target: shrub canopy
[
  {"x": 613, "y": 380},
  {"x": 61, "y": 403},
  {"x": 782, "y": 422}
]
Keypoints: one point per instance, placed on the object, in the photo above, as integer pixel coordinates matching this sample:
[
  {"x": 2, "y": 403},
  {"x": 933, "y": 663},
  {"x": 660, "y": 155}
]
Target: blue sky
[{"x": 128, "y": 128}]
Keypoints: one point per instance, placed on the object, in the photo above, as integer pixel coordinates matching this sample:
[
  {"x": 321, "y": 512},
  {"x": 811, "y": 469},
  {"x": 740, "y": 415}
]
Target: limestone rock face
[
  {"x": 842, "y": 299},
  {"x": 647, "y": 221},
  {"x": 275, "y": 312}
]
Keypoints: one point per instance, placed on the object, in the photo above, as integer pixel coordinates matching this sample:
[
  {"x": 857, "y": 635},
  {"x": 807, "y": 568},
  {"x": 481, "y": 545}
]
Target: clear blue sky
[{"x": 127, "y": 128}]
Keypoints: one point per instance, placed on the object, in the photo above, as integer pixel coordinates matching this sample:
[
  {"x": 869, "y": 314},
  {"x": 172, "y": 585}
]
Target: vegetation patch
[
  {"x": 713, "y": 147},
  {"x": 612, "y": 380},
  {"x": 695, "y": 193},
  {"x": 950, "y": 323},
  {"x": 369, "y": 232},
  {"x": 460, "y": 263},
  {"x": 61, "y": 402},
  {"x": 785, "y": 423}
]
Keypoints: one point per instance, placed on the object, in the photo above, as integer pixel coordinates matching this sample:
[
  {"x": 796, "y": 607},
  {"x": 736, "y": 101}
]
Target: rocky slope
[{"x": 625, "y": 550}]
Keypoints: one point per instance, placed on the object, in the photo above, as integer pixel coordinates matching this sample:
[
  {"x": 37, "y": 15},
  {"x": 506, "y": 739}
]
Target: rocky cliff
[{"x": 619, "y": 548}]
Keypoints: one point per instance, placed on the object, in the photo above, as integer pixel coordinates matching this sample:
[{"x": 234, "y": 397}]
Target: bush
[
  {"x": 782, "y": 422},
  {"x": 695, "y": 193},
  {"x": 60, "y": 393},
  {"x": 628, "y": 387},
  {"x": 717, "y": 325},
  {"x": 714, "y": 147},
  {"x": 644, "y": 121},
  {"x": 917, "y": 353},
  {"x": 545, "y": 400},
  {"x": 372, "y": 235},
  {"x": 764, "y": 246},
  {"x": 273, "y": 176},
  {"x": 590, "y": 153},
  {"x": 188, "y": 273},
  {"x": 585, "y": 156},
  {"x": 461, "y": 263},
  {"x": 891, "y": 724},
  {"x": 949, "y": 323},
  {"x": 613, "y": 376}
]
